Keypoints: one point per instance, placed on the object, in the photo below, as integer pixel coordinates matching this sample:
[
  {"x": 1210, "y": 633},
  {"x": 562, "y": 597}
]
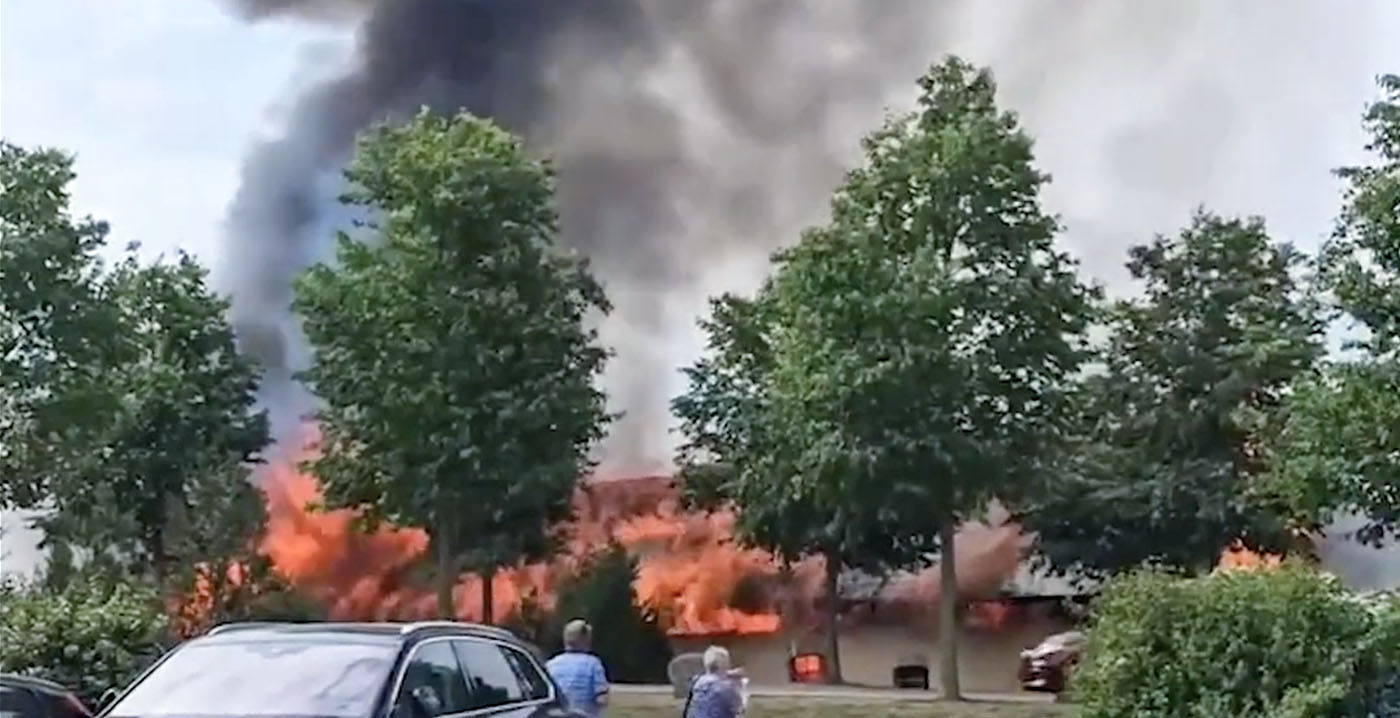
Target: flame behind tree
[
  {"x": 688, "y": 564},
  {"x": 904, "y": 364},
  {"x": 455, "y": 373},
  {"x": 1170, "y": 464},
  {"x": 127, "y": 409}
]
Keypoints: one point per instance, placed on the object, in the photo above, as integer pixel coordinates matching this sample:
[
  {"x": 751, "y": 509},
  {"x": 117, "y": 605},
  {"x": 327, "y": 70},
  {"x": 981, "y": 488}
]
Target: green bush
[
  {"x": 88, "y": 637},
  {"x": 626, "y": 637},
  {"x": 1376, "y": 693},
  {"x": 1240, "y": 644}
]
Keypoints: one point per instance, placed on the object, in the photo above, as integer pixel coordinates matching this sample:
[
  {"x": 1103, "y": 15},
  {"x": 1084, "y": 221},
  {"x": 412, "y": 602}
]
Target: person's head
[
  {"x": 578, "y": 635},
  {"x": 716, "y": 659}
]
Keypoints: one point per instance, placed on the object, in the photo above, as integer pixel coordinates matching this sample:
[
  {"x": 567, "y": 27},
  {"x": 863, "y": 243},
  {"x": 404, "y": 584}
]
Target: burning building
[{"x": 703, "y": 585}]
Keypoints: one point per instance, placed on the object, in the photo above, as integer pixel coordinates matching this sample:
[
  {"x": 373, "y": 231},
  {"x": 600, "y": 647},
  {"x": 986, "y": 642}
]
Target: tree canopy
[
  {"x": 128, "y": 402},
  {"x": 1169, "y": 466},
  {"x": 1337, "y": 450},
  {"x": 908, "y": 361},
  {"x": 453, "y": 355}
]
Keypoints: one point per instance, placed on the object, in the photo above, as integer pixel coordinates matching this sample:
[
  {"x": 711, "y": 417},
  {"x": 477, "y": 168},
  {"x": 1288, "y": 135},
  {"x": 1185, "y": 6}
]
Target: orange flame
[
  {"x": 990, "y": 615},
  {"x": 689, "y": 566},
  {"x": 190, "y": 614},
  {"x": 1238, "y": 558}
]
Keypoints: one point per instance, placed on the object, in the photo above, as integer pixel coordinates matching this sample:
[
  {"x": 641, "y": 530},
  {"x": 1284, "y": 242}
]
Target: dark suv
[
  {"x": 24, "y": 697},
  {"x": 344, "y": 670}
]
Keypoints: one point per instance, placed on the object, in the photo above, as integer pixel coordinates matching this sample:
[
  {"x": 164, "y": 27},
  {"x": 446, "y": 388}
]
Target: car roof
[
  {"x": 32, "y": 683},
  {"x": 356, "y": 632}
]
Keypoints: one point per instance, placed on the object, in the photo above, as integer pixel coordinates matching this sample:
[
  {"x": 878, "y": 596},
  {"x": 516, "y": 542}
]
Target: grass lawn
[{"x": 658, "y": 706}]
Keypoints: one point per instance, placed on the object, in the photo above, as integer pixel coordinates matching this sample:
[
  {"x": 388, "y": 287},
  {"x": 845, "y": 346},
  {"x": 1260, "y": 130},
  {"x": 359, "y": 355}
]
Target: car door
[
  {"x": 504, "y": 681},
  {"x": 16, "y": 702}
]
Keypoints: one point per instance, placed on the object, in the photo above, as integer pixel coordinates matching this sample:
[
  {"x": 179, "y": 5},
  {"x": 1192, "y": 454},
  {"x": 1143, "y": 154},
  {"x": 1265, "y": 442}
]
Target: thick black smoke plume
[
  {"x": 693, "y": 136},
  {"x": 659, "y": 201}
]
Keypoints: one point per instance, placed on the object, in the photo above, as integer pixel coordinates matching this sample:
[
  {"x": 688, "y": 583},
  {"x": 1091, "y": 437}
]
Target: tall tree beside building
[
  {"x": 907, "y": 362},
  {"x": 1170, "y": 466},
  {"x": 453, "y": 358}
]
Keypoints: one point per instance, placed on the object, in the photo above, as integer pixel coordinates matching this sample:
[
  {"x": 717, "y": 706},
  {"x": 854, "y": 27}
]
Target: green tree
[
  {"x": 54, "y": 322},
  {"x": 629, "y": 637},
  {"x": 1169, "y": 465},
  {"x": 907, "y": 362},
  {"x": 176, "y": 453},
  {"x": 452, "y": 357},
  {"x": 1338, "y": 449},
  {"x": 125, "y": 392}
]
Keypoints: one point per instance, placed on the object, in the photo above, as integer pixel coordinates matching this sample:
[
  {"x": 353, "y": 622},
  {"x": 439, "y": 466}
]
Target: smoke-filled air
[
  {"x": 882, "y": 327},
  {"x": 692, "y": 137}
]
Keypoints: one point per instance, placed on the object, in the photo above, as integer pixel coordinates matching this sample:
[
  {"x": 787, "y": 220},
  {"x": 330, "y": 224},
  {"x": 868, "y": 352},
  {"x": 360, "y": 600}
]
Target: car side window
[
  {"x": 432, "y": 683},
  {"x": 19, "y": 703},
  {"x": 490, "y": 676},
  {"x": 534, "y": 685}
]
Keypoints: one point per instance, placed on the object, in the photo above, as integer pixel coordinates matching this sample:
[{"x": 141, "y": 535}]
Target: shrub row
[
  {"x": 1258, "y": 644},
  {"x": 89, "y": 636}
]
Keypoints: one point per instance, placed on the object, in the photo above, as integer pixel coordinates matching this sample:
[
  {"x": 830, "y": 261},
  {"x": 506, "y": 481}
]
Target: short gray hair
[
  {"x": 577, "y": 633},
  {"x": 716, "y": 659}
]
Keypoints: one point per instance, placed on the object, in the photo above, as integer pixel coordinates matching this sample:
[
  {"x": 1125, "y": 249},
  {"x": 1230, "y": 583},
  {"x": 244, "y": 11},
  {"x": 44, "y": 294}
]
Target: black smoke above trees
[
  {"x": 662, "y": 179},
  {"x": 692, "y": 137}
]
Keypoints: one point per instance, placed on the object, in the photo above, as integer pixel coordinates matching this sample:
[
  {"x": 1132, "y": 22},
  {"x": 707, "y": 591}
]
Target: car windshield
[{"x": 281, "y": 678}]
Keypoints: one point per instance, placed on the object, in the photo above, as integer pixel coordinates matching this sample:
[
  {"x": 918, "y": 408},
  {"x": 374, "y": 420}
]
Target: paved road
[{"x": 853, "y": 693}]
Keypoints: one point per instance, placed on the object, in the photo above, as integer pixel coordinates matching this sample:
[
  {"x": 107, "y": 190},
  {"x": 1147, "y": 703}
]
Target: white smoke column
[{"x": 694, "y": 136}]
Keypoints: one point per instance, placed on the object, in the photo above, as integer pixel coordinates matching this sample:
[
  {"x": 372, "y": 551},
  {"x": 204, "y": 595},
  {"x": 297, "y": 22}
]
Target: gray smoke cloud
[{"x": 692, "y": 137}]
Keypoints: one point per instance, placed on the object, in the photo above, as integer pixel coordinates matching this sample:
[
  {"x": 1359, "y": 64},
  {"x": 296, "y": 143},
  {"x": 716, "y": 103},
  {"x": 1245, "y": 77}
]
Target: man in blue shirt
[{"x": 579, "y": 673}]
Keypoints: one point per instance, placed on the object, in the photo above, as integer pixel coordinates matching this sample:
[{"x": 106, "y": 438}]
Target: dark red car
[
  {"x": 1046, "y": 667},
  {"x": 23, "y": 697}
]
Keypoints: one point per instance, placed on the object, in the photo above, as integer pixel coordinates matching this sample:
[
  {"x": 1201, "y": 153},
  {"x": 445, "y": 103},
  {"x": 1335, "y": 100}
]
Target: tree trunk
[
  {"x": 160, "y": 560},
  {"x": 833, "y": 610},
  {"x": 446, "y": 578},
  {"x": 488, "y": 596},
  {"x": 948, "y": 615}
]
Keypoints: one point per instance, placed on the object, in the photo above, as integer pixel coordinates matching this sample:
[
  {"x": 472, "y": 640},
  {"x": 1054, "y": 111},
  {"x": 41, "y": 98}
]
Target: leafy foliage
[
  {"x": 1338, "y": 449},
  {"x": 906, "y": 363},
  {"x": 127, "y": 401},
  {"x": 1169, "y": 463},
  {"x": 54, "y": 322},
  {"x": 627, "y": 635},
  {"x": 89, "y": 637},
  {"x": 452, "y": 359},
  {"x": 1363, "y": 261},
  {"x": 1242, "y": 644}
]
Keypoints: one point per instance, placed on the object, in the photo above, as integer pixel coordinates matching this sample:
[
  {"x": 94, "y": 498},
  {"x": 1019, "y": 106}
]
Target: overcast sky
[{"x": 160, "y": 98}]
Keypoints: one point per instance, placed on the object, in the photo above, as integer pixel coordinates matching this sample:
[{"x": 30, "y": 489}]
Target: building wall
[{"x": 987, "y": 658}]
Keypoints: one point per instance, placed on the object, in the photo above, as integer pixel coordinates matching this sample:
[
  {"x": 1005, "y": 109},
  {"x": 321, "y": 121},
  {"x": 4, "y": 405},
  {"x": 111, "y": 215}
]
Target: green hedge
[
  {"x": 87, "y": 637},
  {"x": 1264, "y": 644}
]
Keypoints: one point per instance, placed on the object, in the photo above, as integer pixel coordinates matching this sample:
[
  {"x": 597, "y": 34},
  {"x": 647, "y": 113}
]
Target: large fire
[{"x": 689, "y": 566}]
